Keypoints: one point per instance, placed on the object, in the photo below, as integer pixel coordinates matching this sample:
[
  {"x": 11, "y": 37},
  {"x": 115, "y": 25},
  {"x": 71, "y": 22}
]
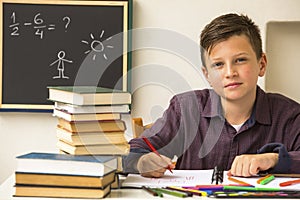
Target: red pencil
[
  {"x": 287, "y": 183},
  {"x": 154, "y": 150}
]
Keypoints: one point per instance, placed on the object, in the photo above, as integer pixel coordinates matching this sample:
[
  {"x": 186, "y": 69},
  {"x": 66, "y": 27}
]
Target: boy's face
[{"x": 232, "y": 68}]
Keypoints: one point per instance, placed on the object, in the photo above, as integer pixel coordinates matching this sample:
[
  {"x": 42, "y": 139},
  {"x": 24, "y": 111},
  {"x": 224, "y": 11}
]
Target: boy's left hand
[{"x": 250, "y": 164}]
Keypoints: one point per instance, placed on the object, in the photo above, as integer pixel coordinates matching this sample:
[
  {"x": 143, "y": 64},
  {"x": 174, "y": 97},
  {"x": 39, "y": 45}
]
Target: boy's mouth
[{"x": 232, "y": 85}]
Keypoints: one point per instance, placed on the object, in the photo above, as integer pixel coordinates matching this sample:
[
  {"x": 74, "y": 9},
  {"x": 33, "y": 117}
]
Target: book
[
  {"x": 62, "y": 192},
  {"x": 86, "y": 117},
  {"x": 90, "y": 138},
  {"x": 105, "y": 149},
  {"x": 116, "y": 184},
  {"x": 66, "y": 180},
  {"x": 37, "y": 162},
  {"x": 119, "y": 157},
  {"x": 74, "y": 109},
  {"x": 88, "y": 95},
  {"x": 92, "y": 126}
]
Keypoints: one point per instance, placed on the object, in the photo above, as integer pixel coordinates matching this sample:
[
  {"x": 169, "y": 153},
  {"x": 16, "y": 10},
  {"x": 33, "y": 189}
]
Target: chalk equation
[{"x": 37, "y": 23}]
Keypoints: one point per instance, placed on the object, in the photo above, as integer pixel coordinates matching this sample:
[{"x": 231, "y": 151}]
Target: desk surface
[{"x": 7, "y": 191}]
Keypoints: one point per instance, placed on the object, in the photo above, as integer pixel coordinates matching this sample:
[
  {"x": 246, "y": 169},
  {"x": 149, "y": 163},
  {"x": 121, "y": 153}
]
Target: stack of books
[
  {"x": 90, "y": 120},
  {"x": 62, "y": 175}
]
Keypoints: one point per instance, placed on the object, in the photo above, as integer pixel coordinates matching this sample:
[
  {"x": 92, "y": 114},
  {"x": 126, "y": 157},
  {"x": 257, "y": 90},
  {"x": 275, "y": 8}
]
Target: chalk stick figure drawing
[
  {"x": 61, "y": 65},
  {"x": 97, "y": 46}
]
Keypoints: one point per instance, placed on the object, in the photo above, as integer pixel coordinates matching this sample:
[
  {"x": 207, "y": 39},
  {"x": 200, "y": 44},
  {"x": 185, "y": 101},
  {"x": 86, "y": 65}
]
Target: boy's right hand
[{"x": 152, "y": 165}]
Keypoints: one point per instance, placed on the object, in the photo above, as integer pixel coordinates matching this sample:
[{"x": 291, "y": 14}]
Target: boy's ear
[
  {"x": 263, "y": 65},
  {"x": 205, "y": 72}
]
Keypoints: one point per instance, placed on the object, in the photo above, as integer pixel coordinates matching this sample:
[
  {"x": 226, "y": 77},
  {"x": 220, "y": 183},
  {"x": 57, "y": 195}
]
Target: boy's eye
[
  {"x": 241, "y": 60},
  {"x": 217, "y": 65}
]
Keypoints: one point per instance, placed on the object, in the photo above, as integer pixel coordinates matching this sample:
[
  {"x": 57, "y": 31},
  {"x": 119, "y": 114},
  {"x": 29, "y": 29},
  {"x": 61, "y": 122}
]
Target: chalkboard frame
[{"x": 126, "y": 56}]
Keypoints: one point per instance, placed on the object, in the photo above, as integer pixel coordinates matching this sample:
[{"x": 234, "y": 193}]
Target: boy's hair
[{"x": 225, "y": 26}]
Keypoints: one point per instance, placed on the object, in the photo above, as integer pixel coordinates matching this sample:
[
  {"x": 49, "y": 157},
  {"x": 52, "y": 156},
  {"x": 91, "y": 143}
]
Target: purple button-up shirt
[{"x": 194, "y": 129}]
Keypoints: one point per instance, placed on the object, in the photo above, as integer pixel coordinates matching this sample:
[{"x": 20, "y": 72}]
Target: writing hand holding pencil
[{"x": 154, "y": 164}]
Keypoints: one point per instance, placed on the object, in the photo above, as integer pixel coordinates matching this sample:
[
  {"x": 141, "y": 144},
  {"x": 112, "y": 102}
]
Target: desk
[{"x": 7, "y": 191}]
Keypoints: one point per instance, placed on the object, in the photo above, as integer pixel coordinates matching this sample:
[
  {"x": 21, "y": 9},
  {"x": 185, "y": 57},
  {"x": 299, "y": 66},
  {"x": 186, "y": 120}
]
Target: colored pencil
[
  {"x": 267, "y": 180},
  {"x": 206, "y": 187},
  {"x": 246, "y": 188},
  {"x": 262, "y": 178},
  {"x": 287, "y": 175},
  {"x": 150, "y": 191},
  {"x": 238, "y": 181},
  {"x": 287, "y": 183},
  {"x": 171, "y": 192},
  {"x": 176, "y": 188}
]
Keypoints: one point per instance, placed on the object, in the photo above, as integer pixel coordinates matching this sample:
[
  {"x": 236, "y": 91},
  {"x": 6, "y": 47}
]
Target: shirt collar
[
  {"x": 260, "y": 113},
  {"x": 213, "y": 107}
]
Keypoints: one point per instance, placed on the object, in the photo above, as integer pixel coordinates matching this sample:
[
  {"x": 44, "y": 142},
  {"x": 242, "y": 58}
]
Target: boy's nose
[{"x": 230, "y": 71}]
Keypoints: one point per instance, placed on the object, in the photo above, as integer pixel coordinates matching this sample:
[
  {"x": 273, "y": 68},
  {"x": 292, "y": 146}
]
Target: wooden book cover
[
  {"x": 66, "y": 180},
  {"x": 92, "y": 126},
  {"x": 105, "y": 149},
  {"x": 61, "y": 192},
  {"x": 90, "y": 138},
  {"x": 88, "y": 95}
]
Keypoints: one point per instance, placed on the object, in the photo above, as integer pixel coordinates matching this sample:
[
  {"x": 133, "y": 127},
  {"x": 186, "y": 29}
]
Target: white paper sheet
[
  {"x": 197, "y": 177},
  {"x": 177, "y": 178}
]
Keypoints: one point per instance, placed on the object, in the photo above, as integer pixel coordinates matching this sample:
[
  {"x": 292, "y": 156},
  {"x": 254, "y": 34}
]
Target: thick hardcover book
[
  {"x": 90, "y": 138},
  {"x": 119, "y": 157},
  {"x": 61, "y": 192},
  {"x": 104, "y": 149},
  {"x": 92, "y": 126},
  {"x": 75, "y": 109},
  {"x": 86, "y": 117},
  {"x": 66, "y": 164},
  {"x": 88, "y": 95},
  {"x": 66, "y": 180}
]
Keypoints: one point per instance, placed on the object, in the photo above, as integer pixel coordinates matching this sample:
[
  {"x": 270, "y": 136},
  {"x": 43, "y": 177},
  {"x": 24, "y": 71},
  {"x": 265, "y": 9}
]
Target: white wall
[
  {"x": 159, "y": 72},
  {"x": 22, "y": 133},
  {"x": 283, "y": 48}
]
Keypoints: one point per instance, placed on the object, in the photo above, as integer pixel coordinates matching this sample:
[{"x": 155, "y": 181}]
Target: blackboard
[{"x": 59, "y": 43}]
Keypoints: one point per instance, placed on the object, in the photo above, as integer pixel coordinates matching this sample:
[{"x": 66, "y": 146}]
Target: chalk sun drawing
[{"x": 96, "y": 46}]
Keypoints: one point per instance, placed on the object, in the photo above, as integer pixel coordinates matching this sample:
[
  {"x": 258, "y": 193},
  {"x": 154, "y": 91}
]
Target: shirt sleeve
[
  {"x": 130, "y": 161},
  {"x": 284, "y": 159},
  {"x": 288, "y": 140},
  {"x": 293, "y": 146},
  {"x": 160, "y": 135}
]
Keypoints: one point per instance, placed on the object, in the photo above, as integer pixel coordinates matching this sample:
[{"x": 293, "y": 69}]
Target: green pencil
[
  {"x": 267, "y": 180},
  {"x": 244, "y": 188},
  {"x": 171, "y": 192}
]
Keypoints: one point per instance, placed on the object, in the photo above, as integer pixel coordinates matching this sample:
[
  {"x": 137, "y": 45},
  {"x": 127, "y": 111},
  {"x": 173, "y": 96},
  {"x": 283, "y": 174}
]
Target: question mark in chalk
[{"x": 68, "y": 22}]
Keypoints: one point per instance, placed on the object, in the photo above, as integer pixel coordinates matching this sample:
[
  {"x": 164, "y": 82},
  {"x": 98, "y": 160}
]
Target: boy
[{"x": 236, "y": 126}]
